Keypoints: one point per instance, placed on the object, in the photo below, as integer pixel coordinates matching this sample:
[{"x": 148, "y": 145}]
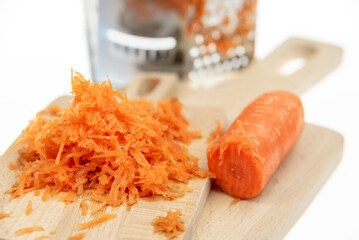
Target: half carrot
[{"x": 250, "y": 151}]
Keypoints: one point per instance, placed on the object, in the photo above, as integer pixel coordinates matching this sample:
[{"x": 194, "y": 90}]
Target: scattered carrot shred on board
[
  {"x": 37, "y": 192},
  {"x": 4, "y": 215},
  {"x": 55, "y": 109},
  {"x": 45, "y": 194},
  {"x": 171, "y": 225},
  {"x": 52, "y": 232},
  {"x": 77, "y": 237},
  {"x": 98, "y": 208},
  {"x": 216, "y": 133},
  {"x": 42, "y": 238},
  {"x": 28, "y": 208},
  {"x": 96, "y": 221},
  {"x": 235, "y": 201},
  {"x": 69, "y": 197},
  {"x": 12, "y": 166},
  {"x": 116, "y": 148},
  {"x": 84, "y": 208},
  {"x": 28, "y": 230}
]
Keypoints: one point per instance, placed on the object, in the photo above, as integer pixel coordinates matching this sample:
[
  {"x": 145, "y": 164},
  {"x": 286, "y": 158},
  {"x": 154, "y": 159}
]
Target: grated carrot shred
[
  {"x": 55, "y": 109},
  {"x": 69, "y": 197},
  {"x": 28, "y": 230},
  {"x": 96, "y": 221},
  {"x": 42, "y": 238},
  {"x": 4, "y": 215},
  {"x": 84, "y": 208},
  {"x": 77, "y": 237},
  {"x": 235, "y": 201},
  {"x": 116, "y": 148},
  {"x": 171, "y": 225},
  {"x": 12, "y": 166},
  {"x": 28, "y": 208},
  {"x": 37, "y": 192},
  {"x": 45, "y": 194},
  {"x": 217, "y": 133},
  {"x": 52, "y": 232}
]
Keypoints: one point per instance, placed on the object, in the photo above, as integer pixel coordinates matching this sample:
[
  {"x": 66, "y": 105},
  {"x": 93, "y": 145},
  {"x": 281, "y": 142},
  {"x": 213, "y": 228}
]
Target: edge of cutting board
[{"x": 290, "y": 191}]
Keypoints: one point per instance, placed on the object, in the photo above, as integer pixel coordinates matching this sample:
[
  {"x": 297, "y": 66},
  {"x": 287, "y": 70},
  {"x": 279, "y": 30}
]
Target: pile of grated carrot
[
  {"x": 115, "y": 148},
  {"x": 171, "y": 225}
]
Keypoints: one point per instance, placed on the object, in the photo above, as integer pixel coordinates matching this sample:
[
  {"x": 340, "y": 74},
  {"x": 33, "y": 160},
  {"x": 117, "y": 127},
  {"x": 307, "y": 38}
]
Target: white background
[{"x": 40, "y": 41}]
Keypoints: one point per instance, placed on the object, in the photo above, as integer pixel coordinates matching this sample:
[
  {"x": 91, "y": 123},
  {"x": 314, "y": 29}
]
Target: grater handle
[
  {"x": 152, "y": 85},
  {"x": 314, "y": 59}
]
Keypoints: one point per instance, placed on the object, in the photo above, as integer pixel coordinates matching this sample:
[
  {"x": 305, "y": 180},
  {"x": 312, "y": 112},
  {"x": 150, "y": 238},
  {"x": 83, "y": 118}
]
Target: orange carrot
[
  {"x": 84, "y": 208},
  {"x": 28, "y": 208},
  {"x": 52, "y": 232},
  {"x": 42, "y": 238},
  {"x": 250, "y": 151},
  {"x": 55, "y": 109},
  {"x": 37, "y": 192},
  {"x": 4, "y": 215},
  {"x": 69, "y": 197},
  {"x": 171, "y": 224},
  {"x": 45, "y": 194},
  {"x": 115, "y": 148},
  {"x": 96, "y": 221},
  {"x": 216, "y": 133},
  {"x": 77, "y": 237},
  {"x": 235, "y": 201},
  {"x": 28, "y": 230},
  {"x": 12, "y": 166},
  {"x": 98, "y": 208}
]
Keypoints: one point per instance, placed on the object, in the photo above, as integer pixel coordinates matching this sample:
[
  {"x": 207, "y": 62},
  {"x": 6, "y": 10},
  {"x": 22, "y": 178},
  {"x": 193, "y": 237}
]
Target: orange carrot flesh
[
  {"x": 28, "y": 208},
  {"x": 42, "y": 238},
  {"x": 84, "y": 208},
  {"x": 29, "y": 230},
  {"x": 12, "y": 166},
  {"x": 115, "y": 148},
  {"x": 4, "y": 215},
  {"x": 45, "y": 194},
  {"x": 77, "y": 237},
  {"x": 55, "y": 109},
  {"x": 250, "y": 151},
  {"x": 96, "y": 221},
  {"x": 171, "y": 225},
  {"x": 235, "y": 201},
  {"x": 216, "y": 133}
]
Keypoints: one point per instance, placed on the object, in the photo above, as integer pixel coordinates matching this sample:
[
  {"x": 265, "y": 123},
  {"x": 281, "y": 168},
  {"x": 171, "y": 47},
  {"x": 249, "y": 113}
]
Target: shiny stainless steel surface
[{"x": 195, "y": 39}]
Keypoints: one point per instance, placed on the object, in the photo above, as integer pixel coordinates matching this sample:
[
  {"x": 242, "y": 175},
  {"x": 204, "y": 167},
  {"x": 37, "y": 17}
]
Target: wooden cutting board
[
  {"x": 130, "y": 223},
  {"x": 235, "y": 90},
  {"x": 302, "y": 173},
  {"x": 268, "y": 216},
  {"x": 289, "y": 192}
]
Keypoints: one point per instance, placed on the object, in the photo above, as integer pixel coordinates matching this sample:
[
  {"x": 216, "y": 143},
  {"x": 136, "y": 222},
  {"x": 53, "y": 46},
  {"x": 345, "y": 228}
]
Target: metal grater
[{"x": 197, "y": 39}]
